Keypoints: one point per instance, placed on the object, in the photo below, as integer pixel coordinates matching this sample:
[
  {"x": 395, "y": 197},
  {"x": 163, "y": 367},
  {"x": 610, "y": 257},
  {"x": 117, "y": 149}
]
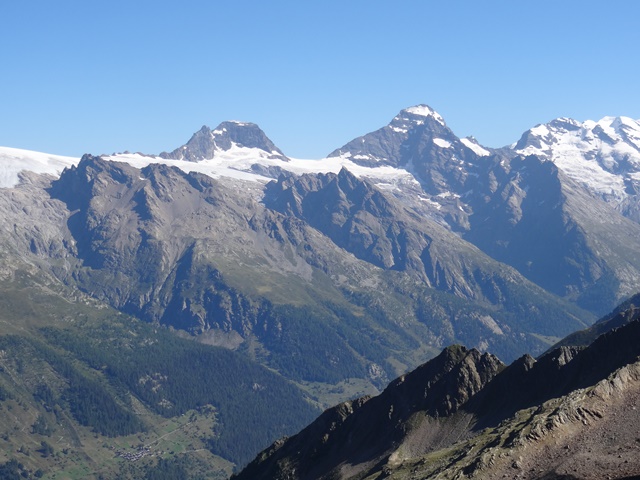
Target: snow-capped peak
[
  {"x": 424, "y": 111},
  {"x": 602, "y": 155},
  {"x": 206, "y": 143},
  {"x": 415, "y": 116}
]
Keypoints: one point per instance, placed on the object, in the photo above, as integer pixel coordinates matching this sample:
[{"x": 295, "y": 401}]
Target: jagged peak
[
  {"x": 206, "y": 143},
  {"x": 345, "y": 173},
  {"x": 384, "y": 146}
]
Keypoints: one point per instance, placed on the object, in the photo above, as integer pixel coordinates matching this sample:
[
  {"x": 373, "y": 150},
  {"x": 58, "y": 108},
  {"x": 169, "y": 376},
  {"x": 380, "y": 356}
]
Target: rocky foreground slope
[{"x": 572, "y": 414}]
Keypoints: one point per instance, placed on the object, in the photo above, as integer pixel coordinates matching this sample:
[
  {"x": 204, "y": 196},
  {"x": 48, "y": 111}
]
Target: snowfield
[
  {"x": 13, "y": 161},
  {"x": 235, "y": 163}
]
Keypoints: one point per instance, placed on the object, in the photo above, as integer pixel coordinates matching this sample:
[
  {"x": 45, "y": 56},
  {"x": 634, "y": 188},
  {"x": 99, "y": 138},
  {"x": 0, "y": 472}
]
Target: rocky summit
[{"x": 207, "y": 143}]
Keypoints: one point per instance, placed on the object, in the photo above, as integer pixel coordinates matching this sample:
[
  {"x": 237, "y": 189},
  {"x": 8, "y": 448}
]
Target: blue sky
[{"x": 107, "y": 76}]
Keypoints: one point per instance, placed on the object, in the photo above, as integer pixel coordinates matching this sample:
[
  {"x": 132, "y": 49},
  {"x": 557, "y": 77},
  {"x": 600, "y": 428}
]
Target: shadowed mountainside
[{"x": 465, "y": 413}]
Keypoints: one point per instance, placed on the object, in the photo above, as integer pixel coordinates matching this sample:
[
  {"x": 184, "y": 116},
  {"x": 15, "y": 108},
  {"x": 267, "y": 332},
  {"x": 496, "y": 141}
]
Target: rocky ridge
[{"x": 571, "y": 414}]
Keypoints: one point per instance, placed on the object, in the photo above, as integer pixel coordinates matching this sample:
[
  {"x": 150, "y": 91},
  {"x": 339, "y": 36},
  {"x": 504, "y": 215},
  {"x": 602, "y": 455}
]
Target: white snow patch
[
  {"x": 234, "y": 163},
  {"x": 399, "y": 130},
  {"x": 386, "y": 186},
  {"x": 435, "y": 205},
  {"x": 442, "y": 143},
  {"x": 448, "y": 195},
  {"x": 475, "y": 148}
]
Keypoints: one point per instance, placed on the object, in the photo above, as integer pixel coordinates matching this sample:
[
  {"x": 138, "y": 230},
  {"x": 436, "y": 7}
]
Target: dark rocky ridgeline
[
  {"x": 351, "y": 438},
  {"x": 625, "y": 313},
  {"x": 449, "y": 416}
]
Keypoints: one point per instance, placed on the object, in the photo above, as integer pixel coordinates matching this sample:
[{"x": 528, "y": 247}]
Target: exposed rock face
[
  {"x": 557, "y": 235},
  {"x": 380, "y": 230},
  {"x": 464, "y": 415}
]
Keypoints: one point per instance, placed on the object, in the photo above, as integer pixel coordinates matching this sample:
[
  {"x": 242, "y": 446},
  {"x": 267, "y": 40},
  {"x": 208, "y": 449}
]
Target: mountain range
[{"x": 338, "y": 274}]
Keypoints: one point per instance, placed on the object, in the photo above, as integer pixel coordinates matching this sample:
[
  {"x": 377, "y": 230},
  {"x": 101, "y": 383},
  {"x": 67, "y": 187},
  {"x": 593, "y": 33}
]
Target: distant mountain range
[{"x": 342, "y": 273}]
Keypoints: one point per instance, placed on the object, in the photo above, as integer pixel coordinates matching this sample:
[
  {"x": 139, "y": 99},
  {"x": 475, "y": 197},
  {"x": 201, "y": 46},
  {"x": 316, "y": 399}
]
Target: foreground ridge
[{"x": 571, "y": 414}]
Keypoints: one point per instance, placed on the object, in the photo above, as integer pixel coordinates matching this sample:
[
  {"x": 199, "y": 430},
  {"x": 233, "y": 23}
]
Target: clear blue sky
[{"x": 105, "y": 76}]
